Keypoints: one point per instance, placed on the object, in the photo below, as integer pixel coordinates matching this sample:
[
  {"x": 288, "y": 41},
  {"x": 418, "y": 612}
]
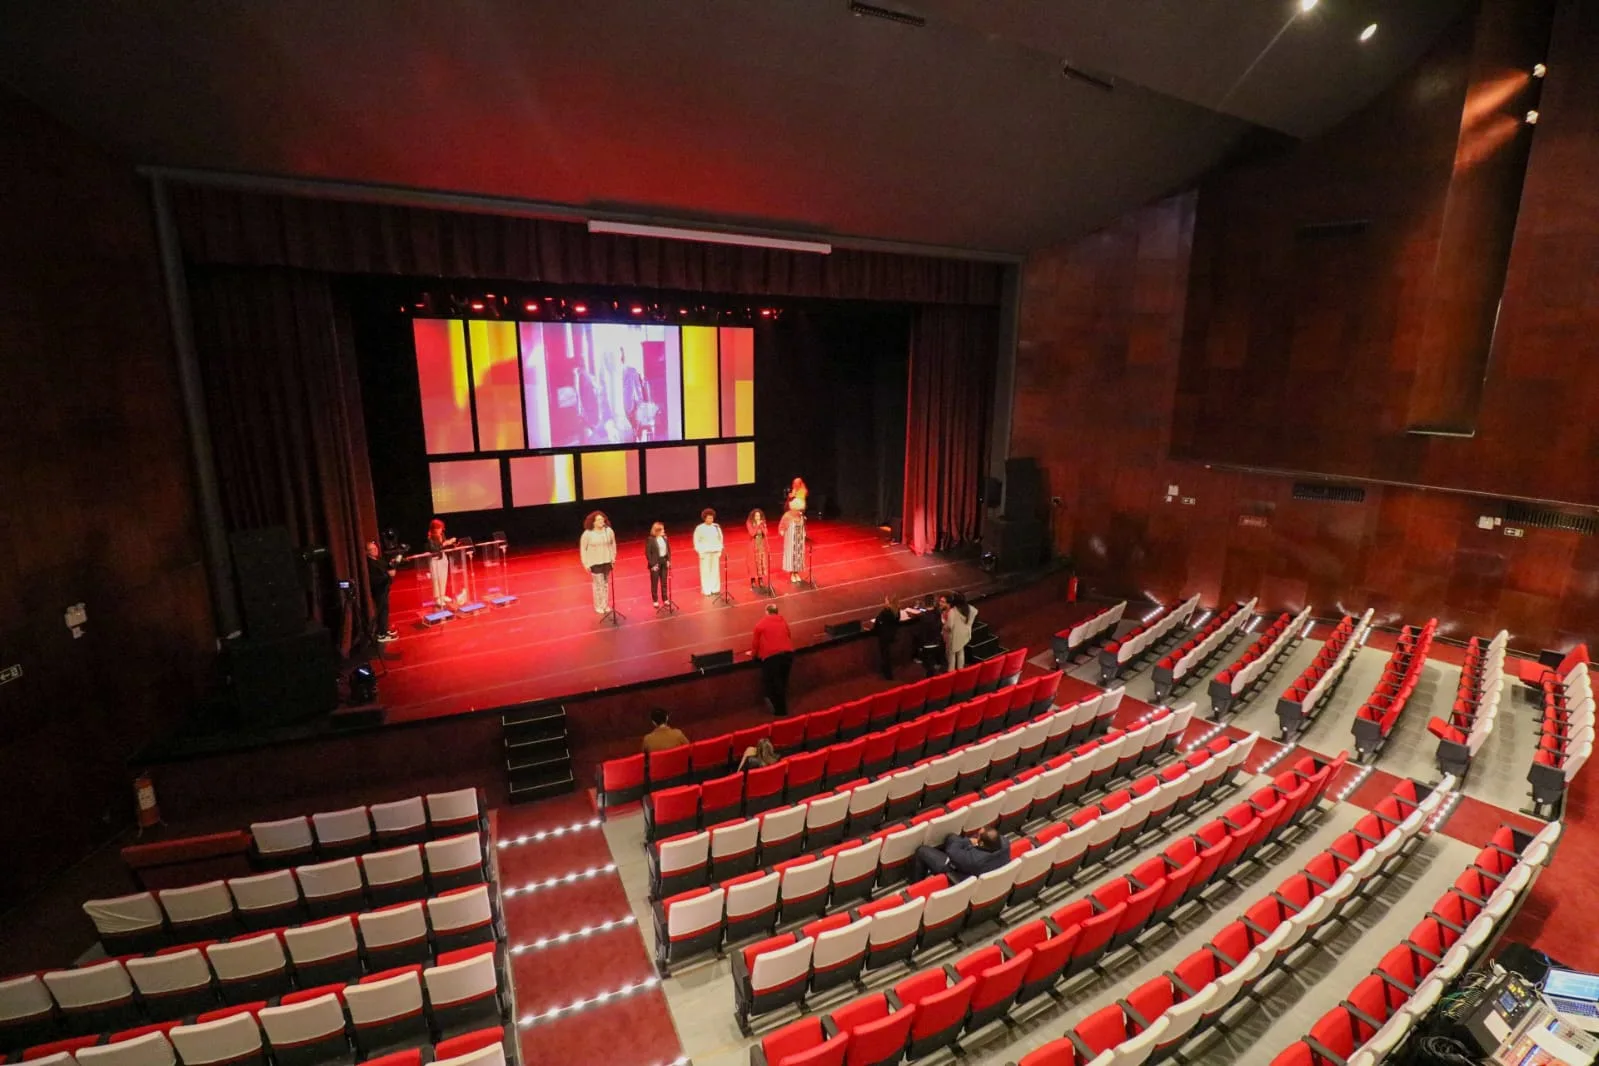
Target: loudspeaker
[
  {"x": 270, "y": 592},
  {"x": 1024, "y": 489},
  {"x": 1017, "y": 543},
  {"x": 712, "y": 660},
  {"x": 843, "y": 629},
  {"x": 993, "y": 489},
  {"x": 286, "y": 679}
]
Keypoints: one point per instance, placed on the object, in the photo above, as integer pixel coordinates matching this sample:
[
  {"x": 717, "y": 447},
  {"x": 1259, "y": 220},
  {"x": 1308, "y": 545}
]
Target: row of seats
[
  {"x": 1476, "y": 706},
  {"x": 1157, "y": 1017},
  {"x": 748, "y": 793},
  {"x": 1375, "y": 720},
  {"x": 1383, "y": 1008},
  {"x": 629, "y": 779},
  {"x": 1117, "y": 655},
  {"x": 931, "y": 1010},
  {"x": 1173, "y": 668},
  {"x": 738, "y": 844},
  {"x": 705, "y": 918},
  {"x": 1070, "y": 641},
  {"x": 407, "y": 1006},
  {"x": 179, "y": 981},
  {"x": 1301, "y": 701},
  {"x": 144, "y": 921},
  {"x": 1230, "y": 684},
  {"x": 1566, "y": 733},
  {"x": 280, "y": 1037}
]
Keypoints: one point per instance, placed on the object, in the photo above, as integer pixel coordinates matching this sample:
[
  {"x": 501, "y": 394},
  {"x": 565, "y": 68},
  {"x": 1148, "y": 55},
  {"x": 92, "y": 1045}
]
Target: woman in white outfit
[
  {"x": 439, "y": 563},
  {"x": 958, "y": 618},
  {"x": 708, "y": 543},
  {"x": 597, "y": 548}
]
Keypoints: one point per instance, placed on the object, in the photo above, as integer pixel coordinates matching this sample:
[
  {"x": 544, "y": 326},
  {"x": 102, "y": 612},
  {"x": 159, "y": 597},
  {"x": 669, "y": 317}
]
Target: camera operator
[{"x": 380, "y": 575}]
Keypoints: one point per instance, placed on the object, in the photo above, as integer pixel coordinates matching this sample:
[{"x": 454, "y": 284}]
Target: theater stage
[{"x": 550, "y": 643}]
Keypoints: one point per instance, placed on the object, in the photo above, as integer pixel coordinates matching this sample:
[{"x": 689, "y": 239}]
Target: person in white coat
[
  {"x": 708, "y": 543},
  {"x": 597, "y": 548},
  {"x": 958, "y": 618}
]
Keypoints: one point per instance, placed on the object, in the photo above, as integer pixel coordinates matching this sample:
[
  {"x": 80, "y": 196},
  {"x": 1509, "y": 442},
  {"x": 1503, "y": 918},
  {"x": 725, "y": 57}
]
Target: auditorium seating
[
  {"x": 1303, "y": 700},
  {"x": 1236, "y": 681},
  {"x": 191, "y": 979},
  {"x": 406, "y": 1006},
  {"x": 1122, "y": 653},
  {"x": 1565, "y": 736},
  {"x": 683, "y": 808},
  {"x": 1191, "y": 655},
  {"x": 145, "y": 921},
  {"x": 986, "y": 984},
  {"x": 803, "y": 737},
  {"x": 1375, "y": 720},
  {"x": 701, "y": 916},
  {"x": 1409, "y": 978},
  {"x": 1192, "y": 998},
  {"x": 1070, "y": 642},
  {"x": 1476, "y": 706}
]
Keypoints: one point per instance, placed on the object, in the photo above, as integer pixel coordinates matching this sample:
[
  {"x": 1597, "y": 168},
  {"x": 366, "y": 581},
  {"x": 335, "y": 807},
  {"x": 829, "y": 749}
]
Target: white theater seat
[{"x": 234, "y": 1041}]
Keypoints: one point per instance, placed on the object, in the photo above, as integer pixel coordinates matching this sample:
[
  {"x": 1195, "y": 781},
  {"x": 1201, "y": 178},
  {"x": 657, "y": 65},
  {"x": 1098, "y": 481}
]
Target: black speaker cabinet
[
  {"x": 285, "y": 679},
  {"x": 1018, "y": 544},
  {"x": 712, "y": 660},
  {"x": 268, "y": 574},
  {"x": 1024, "y": 489}
]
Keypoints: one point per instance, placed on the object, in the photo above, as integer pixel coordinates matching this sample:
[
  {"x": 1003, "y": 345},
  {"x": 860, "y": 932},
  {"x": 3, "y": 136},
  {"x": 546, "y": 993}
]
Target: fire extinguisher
[
  {"x": 144, "y": 799},
  {"x": 1071, "y": 590}
]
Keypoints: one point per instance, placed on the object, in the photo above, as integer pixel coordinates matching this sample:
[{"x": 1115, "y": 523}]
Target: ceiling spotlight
[
  {"x": 1532, "y": 118},
  {"x": 1369, "y": 32},
  {"x": 1306, "y": 5},
  {"x": 1539, "y": 70}
]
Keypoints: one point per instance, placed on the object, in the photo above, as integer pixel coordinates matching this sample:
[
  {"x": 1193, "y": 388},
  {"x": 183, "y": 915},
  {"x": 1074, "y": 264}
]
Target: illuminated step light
[
  {"x": 547, "y": 834},
  {"x": 1369, "y": 32},
  {"x": 551, "y": 882},
  {"x": 529, "y": 1020},
  {"x": 572, "y": 934}
]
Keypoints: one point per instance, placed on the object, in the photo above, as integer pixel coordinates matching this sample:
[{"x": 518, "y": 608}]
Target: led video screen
[
  {"x": 589, "y": 384},
  {"x": 610, "y": 474},
  {"x": 541, "y": 479},
  {"x": 466, "y": 485}
]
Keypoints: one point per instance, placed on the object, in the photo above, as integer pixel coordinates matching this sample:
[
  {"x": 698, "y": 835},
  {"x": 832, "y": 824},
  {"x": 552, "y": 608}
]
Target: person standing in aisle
[
  {"x": 774, "y": 650},
  {"x": 708, "y": 544},
  {"x": 597, "y": 549}
]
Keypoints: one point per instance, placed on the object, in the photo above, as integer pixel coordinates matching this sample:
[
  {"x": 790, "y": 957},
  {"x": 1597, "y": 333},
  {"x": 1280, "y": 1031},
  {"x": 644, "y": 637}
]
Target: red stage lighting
[
  {"x": 637, "y": 310},
  {"x": 477, "y": 305},
  {"x": 766, "y": 312},
  {"x": 532, "y": 307},
  {"x": 581, "y": 309}
]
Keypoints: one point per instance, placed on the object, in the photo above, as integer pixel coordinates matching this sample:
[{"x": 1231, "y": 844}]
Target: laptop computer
[{"x": 1575, "y": 995}]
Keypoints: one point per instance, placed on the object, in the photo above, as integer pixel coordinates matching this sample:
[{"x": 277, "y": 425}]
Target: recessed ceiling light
[
  {"x": 1306, "y": 5},
  {"x": 1369, "y": 32},
  {"x": 1539, "y": 70}
]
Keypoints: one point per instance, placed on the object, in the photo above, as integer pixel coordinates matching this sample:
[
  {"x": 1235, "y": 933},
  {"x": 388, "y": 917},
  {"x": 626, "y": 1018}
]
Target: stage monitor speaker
[
  {"x": 712, "y": 660},
  {"x": 1017, "y": 544},
  {"x": 285, "y": 679},
  {"x": 270, "y": 592},
  {"x": 843, "y": 629},
  {"x": 1024, "y": 489}
]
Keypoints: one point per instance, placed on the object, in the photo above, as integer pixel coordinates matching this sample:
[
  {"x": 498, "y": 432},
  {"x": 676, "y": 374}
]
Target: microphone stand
[
  {"x": 612, "y": 616},
  {"x": 668, "y": 605},
  {"x": 723, "y": 597},
  {"x": 808, "y": 578}
]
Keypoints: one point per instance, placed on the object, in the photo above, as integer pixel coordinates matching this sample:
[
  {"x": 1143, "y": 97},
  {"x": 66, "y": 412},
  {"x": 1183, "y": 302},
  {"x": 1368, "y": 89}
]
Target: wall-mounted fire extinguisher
[
  {"x": 1071, "y": 590},
  {"x": 144, "y": 798}
]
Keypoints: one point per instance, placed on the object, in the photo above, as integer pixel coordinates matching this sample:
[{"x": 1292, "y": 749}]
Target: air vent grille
[
  {"x": 1320, "y": 490},
  {"x": 1521, "y": 514},
  {"x": 888, "y": 14}
]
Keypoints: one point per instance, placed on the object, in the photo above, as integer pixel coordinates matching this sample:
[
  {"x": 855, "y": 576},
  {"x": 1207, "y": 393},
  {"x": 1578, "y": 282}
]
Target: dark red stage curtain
[
  {"x": 225, "y": 226},
  {"x": 953, "y": 353},
  {"x": 284, "y": 402}
]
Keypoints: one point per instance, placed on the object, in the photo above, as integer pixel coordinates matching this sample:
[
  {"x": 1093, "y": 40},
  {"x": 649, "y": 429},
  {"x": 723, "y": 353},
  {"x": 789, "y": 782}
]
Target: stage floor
[{"x": 550, "y": 643}]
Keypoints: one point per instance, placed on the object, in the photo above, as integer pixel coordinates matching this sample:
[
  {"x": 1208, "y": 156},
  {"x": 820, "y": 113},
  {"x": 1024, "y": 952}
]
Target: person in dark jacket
[
  {"x": 884, "y": 627},
  {"x": 962, "y": 857}
]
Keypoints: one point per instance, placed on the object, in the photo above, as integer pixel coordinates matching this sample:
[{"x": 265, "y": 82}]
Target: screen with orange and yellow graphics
[{"x": 558, "y": 412}]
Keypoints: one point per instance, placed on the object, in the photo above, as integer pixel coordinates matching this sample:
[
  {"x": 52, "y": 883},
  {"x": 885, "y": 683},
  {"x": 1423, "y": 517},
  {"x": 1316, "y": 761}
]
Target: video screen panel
[
  {"x": 607, "y": 475},
  {"x": 542, "y": 479},
  {"x": 497, "y": 385},
  {"x": 672, "y": 469},
  {"x": 446, "y": 394},
  {"x": 738, "y": 381},
  {"x": 729, "y": 464},
  {"x": 701, "y": 408},
  {"x": 466, "y": 485},
  {"x": 600, "y": 383}
]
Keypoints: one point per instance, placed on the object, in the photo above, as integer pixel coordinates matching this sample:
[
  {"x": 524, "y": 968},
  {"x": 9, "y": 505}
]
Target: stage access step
[
  {"x": 984, "y": 644},
  {"x": 538, "y": 756}
]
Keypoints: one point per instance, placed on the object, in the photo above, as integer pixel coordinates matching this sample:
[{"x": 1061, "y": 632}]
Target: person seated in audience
[
  {"x": 664, "y": 735},
  {"x": 961, "y": 857},
  {"x": 762, "y": 754}
]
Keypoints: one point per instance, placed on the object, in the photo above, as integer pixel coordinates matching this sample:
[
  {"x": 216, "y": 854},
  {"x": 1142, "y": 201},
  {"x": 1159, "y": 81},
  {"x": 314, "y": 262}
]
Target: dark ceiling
[{"x": 786, "y": 114}]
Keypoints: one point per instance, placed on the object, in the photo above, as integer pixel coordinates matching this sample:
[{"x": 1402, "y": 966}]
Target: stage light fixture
[
  {"x": 1539, "y": 70},
  {"x": 1369, "y": 32},
  {"x": 1532, "y": 118},
  {"x": 581, "y": 309},
  {"x": 477, "y": 305},
  {"x": 531, "y": 307},
  {"x": 1306, "y": 5},
  {"x": 636, "y": 309}
]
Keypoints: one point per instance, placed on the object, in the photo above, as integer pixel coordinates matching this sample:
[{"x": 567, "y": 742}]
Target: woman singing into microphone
[
  {"x": 597, "y": 549},
  {"x": 760, "y": 561}
]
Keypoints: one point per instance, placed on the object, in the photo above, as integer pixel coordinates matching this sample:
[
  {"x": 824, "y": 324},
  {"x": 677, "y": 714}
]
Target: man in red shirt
[{"x": 774, "y": 648}]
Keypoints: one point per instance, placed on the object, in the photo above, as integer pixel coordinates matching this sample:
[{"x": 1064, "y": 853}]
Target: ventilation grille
[
  {"x": 1319, "y": 490},
  {"x": 1521, "y": 514},
  {"x": 888, "y": 14}
]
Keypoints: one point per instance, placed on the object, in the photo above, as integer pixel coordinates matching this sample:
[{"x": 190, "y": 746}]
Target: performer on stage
[
  {"x": 760, "y": 561},
  {"x": 797, "y": 491},
  {"x": 597, "y": 549},
  {"x": 792, "y": 527},
  {"x": 708, "y": 543},
  {"x": 658, "y": 557},
  {"x": 439, "y": 564}
]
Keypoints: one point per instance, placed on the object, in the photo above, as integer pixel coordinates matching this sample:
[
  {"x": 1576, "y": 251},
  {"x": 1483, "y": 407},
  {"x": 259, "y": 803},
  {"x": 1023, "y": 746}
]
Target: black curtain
[{"x": 284, "y": 402}]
